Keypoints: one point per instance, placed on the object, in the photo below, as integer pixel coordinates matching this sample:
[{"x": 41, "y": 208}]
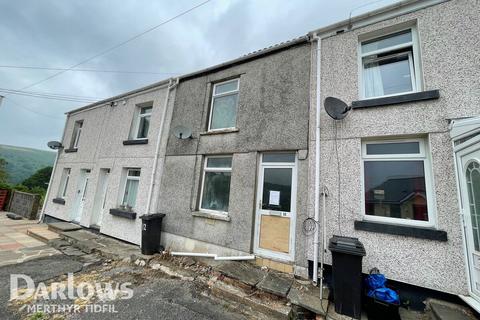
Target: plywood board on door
[{"x": 275, "y": 233}]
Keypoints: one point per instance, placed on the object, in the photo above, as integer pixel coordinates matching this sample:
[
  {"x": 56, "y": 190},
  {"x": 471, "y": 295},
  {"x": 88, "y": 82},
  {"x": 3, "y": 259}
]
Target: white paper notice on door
[{"x": 274, "y": 198}]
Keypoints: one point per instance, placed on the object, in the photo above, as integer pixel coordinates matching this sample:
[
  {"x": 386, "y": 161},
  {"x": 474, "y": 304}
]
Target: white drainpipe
[
  {"x": 172, "y": 84},
  {"x": 317, "y": 166},
  {"x": 49, "y": 187}
]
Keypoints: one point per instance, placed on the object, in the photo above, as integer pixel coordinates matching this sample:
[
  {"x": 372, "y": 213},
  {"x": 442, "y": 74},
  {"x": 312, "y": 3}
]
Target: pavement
[{"x": 16, "y": 245}]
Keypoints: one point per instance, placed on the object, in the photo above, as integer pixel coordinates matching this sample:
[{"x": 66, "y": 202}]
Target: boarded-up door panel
[{"x": 275, "y": 233}]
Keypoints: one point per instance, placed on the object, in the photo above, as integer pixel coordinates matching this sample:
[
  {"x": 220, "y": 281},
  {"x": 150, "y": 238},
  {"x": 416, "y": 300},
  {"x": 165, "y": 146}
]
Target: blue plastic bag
[
  {"x": 376, "y": 289},
  {"x": 374, "y": 281},
  {"x": 385, "y": 294}
]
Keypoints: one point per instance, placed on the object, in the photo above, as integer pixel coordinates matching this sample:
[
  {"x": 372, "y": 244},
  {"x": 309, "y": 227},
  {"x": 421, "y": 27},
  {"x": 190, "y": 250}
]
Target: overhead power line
[
  {"x": 88, "y": 70},
  {"x": 51, "y": 96},
  {"x": 31, "y": 110},
  {"x": 115, "y": 46}
]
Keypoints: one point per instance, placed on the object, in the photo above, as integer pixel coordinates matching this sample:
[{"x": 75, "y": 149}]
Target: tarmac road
[{"x": 162, "y": 298}]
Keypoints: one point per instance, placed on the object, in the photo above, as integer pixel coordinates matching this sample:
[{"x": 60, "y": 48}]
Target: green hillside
[{"x": 23, "y": 162}]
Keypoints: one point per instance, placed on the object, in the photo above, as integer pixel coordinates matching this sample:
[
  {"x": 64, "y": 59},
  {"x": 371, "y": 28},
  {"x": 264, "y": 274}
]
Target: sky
[{"x": 59, "y": 34}]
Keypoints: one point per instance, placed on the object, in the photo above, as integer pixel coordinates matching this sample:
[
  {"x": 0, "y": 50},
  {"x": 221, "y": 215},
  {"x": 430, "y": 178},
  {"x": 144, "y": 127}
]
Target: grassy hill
[{"x": 23, "y": 162}]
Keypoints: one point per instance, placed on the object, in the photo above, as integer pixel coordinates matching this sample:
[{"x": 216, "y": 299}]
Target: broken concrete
[
  {"x": 276, "y": 284},
  {"x": 307, "y": 301},
  {"x": 243, "y": 272},
  {"x": 442, "y": 310},
  {"x": 71, "y": 251}
]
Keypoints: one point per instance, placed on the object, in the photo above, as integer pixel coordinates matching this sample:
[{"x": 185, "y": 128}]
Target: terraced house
[
  {"x": 400, "y": 166},
  {"x": 243, "y": 159},
  {"x": 112, "y": 151}
]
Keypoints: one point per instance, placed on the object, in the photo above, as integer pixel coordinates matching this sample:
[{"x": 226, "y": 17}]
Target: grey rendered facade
[
  {"x": 272, "y": 116},
  {"x": 449, "y": 58},
  {"x": 106, "y": 125}
]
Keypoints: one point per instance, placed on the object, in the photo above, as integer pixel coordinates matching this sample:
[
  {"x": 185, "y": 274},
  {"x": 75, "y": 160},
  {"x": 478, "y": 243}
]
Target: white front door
[
  {"x": 100, "y": 197},
  {"x": 81, "y": 195},
  {"x": 468, "y": 166},
  {"x": 276, "y": 206}
]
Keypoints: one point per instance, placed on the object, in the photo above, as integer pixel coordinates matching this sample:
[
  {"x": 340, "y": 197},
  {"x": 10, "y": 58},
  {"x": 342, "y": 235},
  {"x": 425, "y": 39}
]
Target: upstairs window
[
  {"x": 62, "y": 190},
  {"x": 129, "y": 197},
  {"x": 215, "y": 193},
  {"x": 77, "y": 131},
  {"x": 397, "y": 183},
  {"x": 141, "y": 122},
  {"x": 390, "y": 65},
  {"x": 223, "y": 111}
]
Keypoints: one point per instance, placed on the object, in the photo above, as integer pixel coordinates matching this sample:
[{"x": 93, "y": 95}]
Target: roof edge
[
  {"x": 250, "y": 56},
  {"x": 120, "y": 96},
  {"x": 374, "y": 16}
]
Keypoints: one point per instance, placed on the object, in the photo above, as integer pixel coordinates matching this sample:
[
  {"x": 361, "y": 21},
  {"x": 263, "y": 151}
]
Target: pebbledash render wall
[
  {"x": 272, "y": 115},
  {"x": 105, "y": 127},
  {"x": 449, "y": 43}
]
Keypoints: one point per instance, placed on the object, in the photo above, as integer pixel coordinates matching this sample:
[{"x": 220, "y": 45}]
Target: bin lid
[
  {"x": 152, "y": 216},
  {"x": 347, "y": 245}
]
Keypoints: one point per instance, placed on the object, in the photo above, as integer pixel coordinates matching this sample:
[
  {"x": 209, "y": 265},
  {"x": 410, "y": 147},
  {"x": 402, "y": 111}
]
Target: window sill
[
  {"x": 59, "y": 201},
  {"x": 123, "y": 214},
  {"x": 70, "y": 150},
  {"x": 138, "y": 141},
  {"x": 403, "y": 98},
  {"x": 398, "y": 230},
  {"x": 208, "y": 215},
  {"x": 222, "y": 131}
]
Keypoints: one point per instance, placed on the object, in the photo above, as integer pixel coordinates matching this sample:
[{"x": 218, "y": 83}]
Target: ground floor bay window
[{"x": 397, "y": 182}]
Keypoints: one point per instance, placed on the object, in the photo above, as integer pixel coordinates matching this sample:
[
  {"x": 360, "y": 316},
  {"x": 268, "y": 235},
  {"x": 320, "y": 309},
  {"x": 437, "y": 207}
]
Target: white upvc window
[
  {"x": 390, "y": 65},
  {"x": 215, "y": 189},
  {"x": 223, "y": 109},
  {"x": 77, "y": 131},
  {"x": 129, "y": 196},
  {"x": 65, "y": 178},
  {"x": 397, "y": 182},
  {"x": 141, "y": 122}
]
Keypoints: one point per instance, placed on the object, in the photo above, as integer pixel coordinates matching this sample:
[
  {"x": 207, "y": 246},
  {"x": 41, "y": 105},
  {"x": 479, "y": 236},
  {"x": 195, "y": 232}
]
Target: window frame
[
  {"x": 414, "y": 60},
  {"x": 138, "y": 118},
  {"x": 64, "y": 180},
  {"x": 205, "y": 169},
  {"x": 127, "y": 177},
  {"x": 77, "y": 131},
  {"x": 212, "y": 98},
  {"x": 423, "y": 155}
]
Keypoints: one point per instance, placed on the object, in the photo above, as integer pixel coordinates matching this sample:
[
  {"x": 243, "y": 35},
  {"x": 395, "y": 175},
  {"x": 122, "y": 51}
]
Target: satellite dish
[
  {"x": 182, "y": 132},
  {"x": 336, "y": 108},
  {"x": 55, "y": 145}
]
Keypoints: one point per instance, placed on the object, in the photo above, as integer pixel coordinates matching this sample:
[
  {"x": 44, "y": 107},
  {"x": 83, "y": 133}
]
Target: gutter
[
  {"x": 122, "y": 95},
  {"x": 375, "y": 16},
  {"x": 172, "y": 84},
  {"x": 54, "y": 169}
]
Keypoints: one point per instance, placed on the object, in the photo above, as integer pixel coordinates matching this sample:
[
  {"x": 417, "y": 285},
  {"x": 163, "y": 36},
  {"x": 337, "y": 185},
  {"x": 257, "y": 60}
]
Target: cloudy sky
[{"x": 60, "y": 33}]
